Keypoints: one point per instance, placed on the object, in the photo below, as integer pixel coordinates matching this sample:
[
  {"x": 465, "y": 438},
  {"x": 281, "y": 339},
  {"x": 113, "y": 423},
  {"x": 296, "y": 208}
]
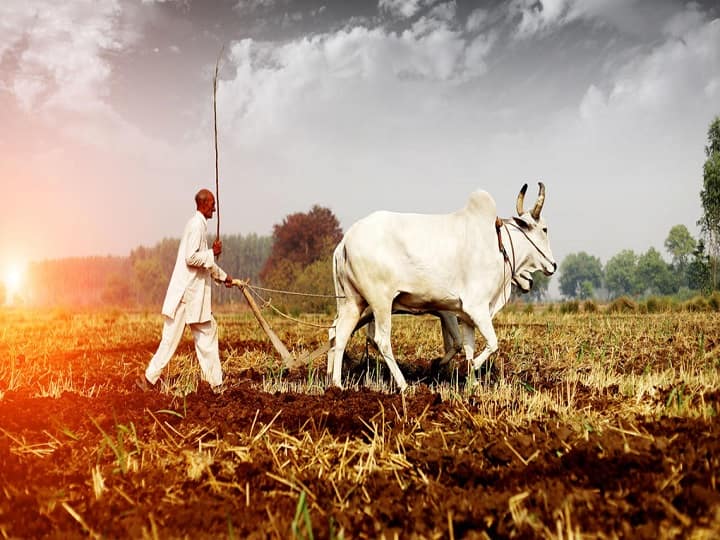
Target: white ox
[{"x": 416, "y": 263}]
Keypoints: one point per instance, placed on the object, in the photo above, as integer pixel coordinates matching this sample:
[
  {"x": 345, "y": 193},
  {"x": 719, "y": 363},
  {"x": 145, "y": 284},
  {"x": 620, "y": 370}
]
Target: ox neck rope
[
  {"x": 533, "y": 244},
  {"x": 498, "y": 225}
]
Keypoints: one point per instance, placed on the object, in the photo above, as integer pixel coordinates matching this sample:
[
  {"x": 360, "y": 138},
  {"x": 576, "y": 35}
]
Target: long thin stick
[{"x": 217, "y": 181}]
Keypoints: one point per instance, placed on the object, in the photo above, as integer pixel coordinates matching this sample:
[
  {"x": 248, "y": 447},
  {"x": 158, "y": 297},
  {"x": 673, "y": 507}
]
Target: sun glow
[{"x": 13, "y": 280}]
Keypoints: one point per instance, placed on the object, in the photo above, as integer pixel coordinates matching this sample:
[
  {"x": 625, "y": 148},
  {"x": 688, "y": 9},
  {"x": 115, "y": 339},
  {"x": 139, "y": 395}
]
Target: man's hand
[
  {"x": 228, "y": 281},
  {"x": 217, "y": 247}
]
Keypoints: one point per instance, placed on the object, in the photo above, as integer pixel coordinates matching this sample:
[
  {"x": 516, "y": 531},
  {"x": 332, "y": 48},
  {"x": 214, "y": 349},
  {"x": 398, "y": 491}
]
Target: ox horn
[
  {"x": 520, "y": 200},
  {"x": 540, "y": 201}
]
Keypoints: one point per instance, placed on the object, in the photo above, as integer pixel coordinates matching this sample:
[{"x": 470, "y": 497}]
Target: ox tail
[{"x": 338, "y": 269}]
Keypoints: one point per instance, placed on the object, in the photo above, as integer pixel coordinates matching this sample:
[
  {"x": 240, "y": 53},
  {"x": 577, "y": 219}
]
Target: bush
[
  {"x": 659, "y": 304},
  {"x": 623, "y": 304},
  {"x": 590, "y": 306},
  {"x": 571, "y": 306},
  {"x": 314, "y": 279},
  {"x": 714, "y": 301},
  {"x": 697, "y": 304}
]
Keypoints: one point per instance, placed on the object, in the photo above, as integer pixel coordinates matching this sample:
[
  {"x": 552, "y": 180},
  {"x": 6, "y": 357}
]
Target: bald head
[{"x": 205, "y": 202}]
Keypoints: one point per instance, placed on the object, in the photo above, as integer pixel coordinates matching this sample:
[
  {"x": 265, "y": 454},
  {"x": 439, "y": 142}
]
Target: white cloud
[
  {"x": 666, "y": 76},
  {"x": 252, "y": 5},
  {"x": 644, "y": 18},
  {"x": 593, "y": 103},
  {"x": 476, "y": 19},
  {"x": 270, "y": 78},
  {"x": 536, "y": 16},
  {"x": 476, "y": 53},
  {"x": 359, "y": 103},
  {"x": 685, "y": 22},
  {"x": 445, "y": 11},
  {"x": 402, "y": 8},
  {"x": 60, "y": 50},
  {"x": 407, "y": 9}
]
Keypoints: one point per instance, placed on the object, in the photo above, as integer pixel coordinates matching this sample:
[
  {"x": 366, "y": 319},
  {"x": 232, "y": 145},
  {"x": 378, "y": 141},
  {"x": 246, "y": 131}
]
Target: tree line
[
  {"x": 138, "y": 280},
  {"x": 694, "y": 264},
  {"x": 297, "y": 257},
  {"x": 582, "y": 276}
]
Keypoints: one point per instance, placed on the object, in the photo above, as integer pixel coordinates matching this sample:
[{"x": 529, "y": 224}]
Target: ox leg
[
  {"x": 451, "y": 335},
  {"x": 483, "y": 323},
  {"x": 468, "y": 340},
  {"x": 348, "y": 316},
  {"x": 451, "y": 341},
  {"x": 383, "y": 326},
  {"x": 331, "y": 351},
  {"x": 370, "y": 337}
]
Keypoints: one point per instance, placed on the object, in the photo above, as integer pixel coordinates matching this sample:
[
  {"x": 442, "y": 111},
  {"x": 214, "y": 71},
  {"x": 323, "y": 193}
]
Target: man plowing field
[{"x": 188, "y": 299}]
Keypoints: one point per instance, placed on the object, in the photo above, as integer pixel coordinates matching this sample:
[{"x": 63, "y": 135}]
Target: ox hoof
[{"x": 435, "y": 366}]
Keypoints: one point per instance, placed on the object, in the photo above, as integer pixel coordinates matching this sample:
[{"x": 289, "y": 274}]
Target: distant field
[{"x": 591, "y": 425}]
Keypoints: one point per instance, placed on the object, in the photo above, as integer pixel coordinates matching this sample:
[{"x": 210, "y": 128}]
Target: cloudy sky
[{"x": 407, "y": 105}]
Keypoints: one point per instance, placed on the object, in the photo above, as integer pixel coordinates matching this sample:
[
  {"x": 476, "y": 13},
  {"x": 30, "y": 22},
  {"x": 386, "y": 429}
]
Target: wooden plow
[{"x": 289, "y": 361}]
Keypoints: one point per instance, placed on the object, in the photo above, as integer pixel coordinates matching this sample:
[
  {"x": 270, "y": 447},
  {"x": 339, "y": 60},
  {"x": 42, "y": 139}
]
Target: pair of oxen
[{"x": 459, "y": 266}]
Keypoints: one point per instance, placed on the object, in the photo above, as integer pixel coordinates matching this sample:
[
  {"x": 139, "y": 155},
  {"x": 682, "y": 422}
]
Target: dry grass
[{"x": 593, "y": 372}]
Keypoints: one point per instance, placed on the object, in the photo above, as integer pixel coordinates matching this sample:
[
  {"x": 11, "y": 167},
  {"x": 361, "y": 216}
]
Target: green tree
[
  {"x": 243, "y": 256},
  {"x": 710, "y": 198},
  {"x": 316, "y": 278},
  {"x": 655, "y": 275},
  {"x": 698, "y": 273},
  {"x": 587, "y": 290},
  {"x": 150, "y": 281},
  {"x": 621, "y": 274},
  {"x": 118, "y": 290},
  {"x": 151, "y": 270},
  {"x": 576, "y": 269},
  {"x": 680, "y": 245}
]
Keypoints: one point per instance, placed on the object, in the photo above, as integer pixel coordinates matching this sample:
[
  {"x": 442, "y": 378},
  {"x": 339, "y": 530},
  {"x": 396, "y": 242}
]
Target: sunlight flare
[{"x": 13, "y": 281}]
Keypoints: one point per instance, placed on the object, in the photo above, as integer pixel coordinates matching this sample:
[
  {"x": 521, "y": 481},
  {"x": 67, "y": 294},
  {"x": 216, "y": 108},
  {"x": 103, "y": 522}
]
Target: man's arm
[{"x": 194, "y": 256}]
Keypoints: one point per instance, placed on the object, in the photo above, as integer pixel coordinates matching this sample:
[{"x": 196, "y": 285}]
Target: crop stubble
[{"x": 591, "y": 425}]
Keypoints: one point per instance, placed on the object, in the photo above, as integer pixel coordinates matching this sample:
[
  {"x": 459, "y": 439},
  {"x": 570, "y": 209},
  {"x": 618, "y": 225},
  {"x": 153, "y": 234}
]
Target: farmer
[{"x": 188, "y": 299}]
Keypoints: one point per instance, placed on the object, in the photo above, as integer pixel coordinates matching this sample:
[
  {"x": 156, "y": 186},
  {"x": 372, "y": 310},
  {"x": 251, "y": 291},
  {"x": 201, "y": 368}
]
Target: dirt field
[{"x": 592, "y": 426}]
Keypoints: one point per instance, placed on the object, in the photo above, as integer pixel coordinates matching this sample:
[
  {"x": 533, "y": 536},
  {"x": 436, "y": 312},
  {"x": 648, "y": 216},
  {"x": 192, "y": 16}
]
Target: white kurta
[
  {"x": 188, "y": 301},
  {"x": 193, "y": 273}
]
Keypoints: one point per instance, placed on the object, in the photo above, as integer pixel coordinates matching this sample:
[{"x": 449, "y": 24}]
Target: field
[{"x": 590, "y": 425}]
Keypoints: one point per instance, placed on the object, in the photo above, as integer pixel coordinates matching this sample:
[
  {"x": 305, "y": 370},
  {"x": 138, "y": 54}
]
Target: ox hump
[{"x": 481, "y": 204}]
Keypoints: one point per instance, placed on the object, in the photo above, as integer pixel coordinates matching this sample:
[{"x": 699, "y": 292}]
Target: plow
[{"x": 289, "y": 360}]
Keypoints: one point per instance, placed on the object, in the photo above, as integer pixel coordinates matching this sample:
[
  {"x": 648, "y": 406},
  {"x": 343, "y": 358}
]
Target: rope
[
  {"x": 279, "y": 291},
  {"x": 507, "y": 260},
  {"x": 533, "y": 244},
  {"x": 268, "y": 303}
]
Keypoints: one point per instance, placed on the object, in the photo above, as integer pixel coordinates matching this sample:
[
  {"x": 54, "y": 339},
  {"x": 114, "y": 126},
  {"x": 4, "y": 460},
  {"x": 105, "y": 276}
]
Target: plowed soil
[{"x": 439, "y": 471}]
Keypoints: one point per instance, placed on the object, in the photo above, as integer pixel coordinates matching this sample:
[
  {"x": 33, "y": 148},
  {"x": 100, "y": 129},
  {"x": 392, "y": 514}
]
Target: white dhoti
[{"x": 205, "y": 335}]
